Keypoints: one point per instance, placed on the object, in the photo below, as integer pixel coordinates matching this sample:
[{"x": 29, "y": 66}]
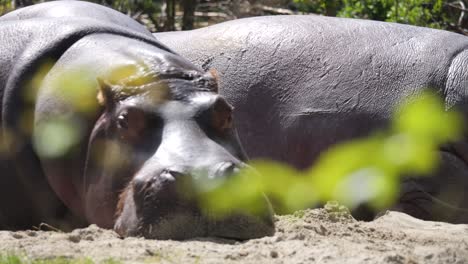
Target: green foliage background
[{"x": 428, "y": 13}]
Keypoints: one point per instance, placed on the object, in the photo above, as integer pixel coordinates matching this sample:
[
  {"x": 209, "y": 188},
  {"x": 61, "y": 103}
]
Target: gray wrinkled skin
[{"x": 302, "y": 83}]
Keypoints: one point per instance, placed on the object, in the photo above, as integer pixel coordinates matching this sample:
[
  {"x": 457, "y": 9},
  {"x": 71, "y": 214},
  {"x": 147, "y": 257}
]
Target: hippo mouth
[{"x": 166, "y": 214}]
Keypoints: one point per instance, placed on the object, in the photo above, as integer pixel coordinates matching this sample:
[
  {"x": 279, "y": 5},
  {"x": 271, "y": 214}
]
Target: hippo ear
[
  {"x": 214, "y": 74},
  {"x": 105, "y": 94}
]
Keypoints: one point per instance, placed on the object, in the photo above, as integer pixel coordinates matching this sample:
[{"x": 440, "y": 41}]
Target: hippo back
[{"x": 302, "y": 83}]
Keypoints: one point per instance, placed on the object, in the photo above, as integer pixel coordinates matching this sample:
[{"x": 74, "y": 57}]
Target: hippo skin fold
[
  {"x": 142, "y": 117},
  {"x": 300, "y": 84}
]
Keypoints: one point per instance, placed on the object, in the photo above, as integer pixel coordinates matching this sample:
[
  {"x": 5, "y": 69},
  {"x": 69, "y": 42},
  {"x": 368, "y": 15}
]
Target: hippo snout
[
  {"x": 176, "y": 183},
  {"x": 227, "y": 168},
  {"x": 163, "y": 205},
  {"x": 165, "y": 181}
]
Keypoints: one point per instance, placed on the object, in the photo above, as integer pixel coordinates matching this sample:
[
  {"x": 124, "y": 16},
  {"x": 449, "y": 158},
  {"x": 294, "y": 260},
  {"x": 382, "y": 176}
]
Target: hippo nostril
[
  {"x": 167, "y": 175},
  {"x": 139, "y": 186},
  {"x": 170, "y": 175},
  {"x": 227, "y": 168}
]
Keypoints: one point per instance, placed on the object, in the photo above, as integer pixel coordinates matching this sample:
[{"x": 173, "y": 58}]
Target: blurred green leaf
[
  {"x": 410, "y": 153},
  {"x": 56, "y": 138},
  {"x": 243, "y": 192},
  {"x": 78, "y": 87},
  {"x": 424, "y": 118}
]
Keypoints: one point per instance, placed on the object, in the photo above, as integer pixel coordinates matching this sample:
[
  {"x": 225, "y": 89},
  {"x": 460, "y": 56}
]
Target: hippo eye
[
  {"x": 122, "y": 121},
  {"x": 131, "y": 122}
]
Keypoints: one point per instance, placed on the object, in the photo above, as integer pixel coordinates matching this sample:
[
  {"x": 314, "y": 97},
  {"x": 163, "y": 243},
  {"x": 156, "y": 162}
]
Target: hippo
[
  {"x": 101, "y": 124},
  {"x": 300, "y": 84}
]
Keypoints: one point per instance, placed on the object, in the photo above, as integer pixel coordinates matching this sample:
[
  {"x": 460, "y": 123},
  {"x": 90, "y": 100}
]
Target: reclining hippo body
[
  {"x": 138, "y": 118},
  {"x": 302, "y": 83}
]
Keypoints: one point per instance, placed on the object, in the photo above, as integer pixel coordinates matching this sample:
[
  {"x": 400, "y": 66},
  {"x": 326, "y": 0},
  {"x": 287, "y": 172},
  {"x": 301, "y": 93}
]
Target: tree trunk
[
  {"x": 170, "y": 15},
  {"x": 21, "y": 3},
  {"x": 188, "y": 19},
  {"x": 331, "y": 8}
]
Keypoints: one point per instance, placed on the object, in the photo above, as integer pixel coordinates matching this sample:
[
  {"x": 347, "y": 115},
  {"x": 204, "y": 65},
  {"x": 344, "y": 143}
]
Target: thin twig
[
  {"x": 274, "y": 10},
  {"x": 46, "y": 227},
  {"x": 457, "y": 7}
]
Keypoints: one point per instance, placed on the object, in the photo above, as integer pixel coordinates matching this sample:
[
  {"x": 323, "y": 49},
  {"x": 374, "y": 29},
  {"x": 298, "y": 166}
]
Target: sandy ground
[{"x": 311, "y": 236}]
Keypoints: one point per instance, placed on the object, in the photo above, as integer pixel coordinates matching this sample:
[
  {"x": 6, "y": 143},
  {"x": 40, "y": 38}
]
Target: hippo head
[{"x": 150, "y": 139}]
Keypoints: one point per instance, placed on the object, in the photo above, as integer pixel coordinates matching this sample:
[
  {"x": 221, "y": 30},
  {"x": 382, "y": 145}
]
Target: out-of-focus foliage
[
  {"x": 328, "y": 8},
  {"x": 6, "y": 6},
  {"x": 364, "y": 170},
  {"x": 49, "y": 139},
  {"x": 58, "y": 136}
]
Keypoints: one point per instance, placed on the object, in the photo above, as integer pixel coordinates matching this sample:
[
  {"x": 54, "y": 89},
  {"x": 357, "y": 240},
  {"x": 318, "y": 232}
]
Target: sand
[{"x": 310, "y": 236}]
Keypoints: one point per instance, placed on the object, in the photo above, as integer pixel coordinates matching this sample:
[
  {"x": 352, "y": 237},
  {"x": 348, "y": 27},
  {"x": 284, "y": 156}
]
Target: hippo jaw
[
  {"x": 187, "y": 220},
  {"x": 186, "y": 225}
]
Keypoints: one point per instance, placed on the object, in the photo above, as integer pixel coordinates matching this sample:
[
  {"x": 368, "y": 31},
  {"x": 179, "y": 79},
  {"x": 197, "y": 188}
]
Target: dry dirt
[{"x": 311, "y": 236}]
